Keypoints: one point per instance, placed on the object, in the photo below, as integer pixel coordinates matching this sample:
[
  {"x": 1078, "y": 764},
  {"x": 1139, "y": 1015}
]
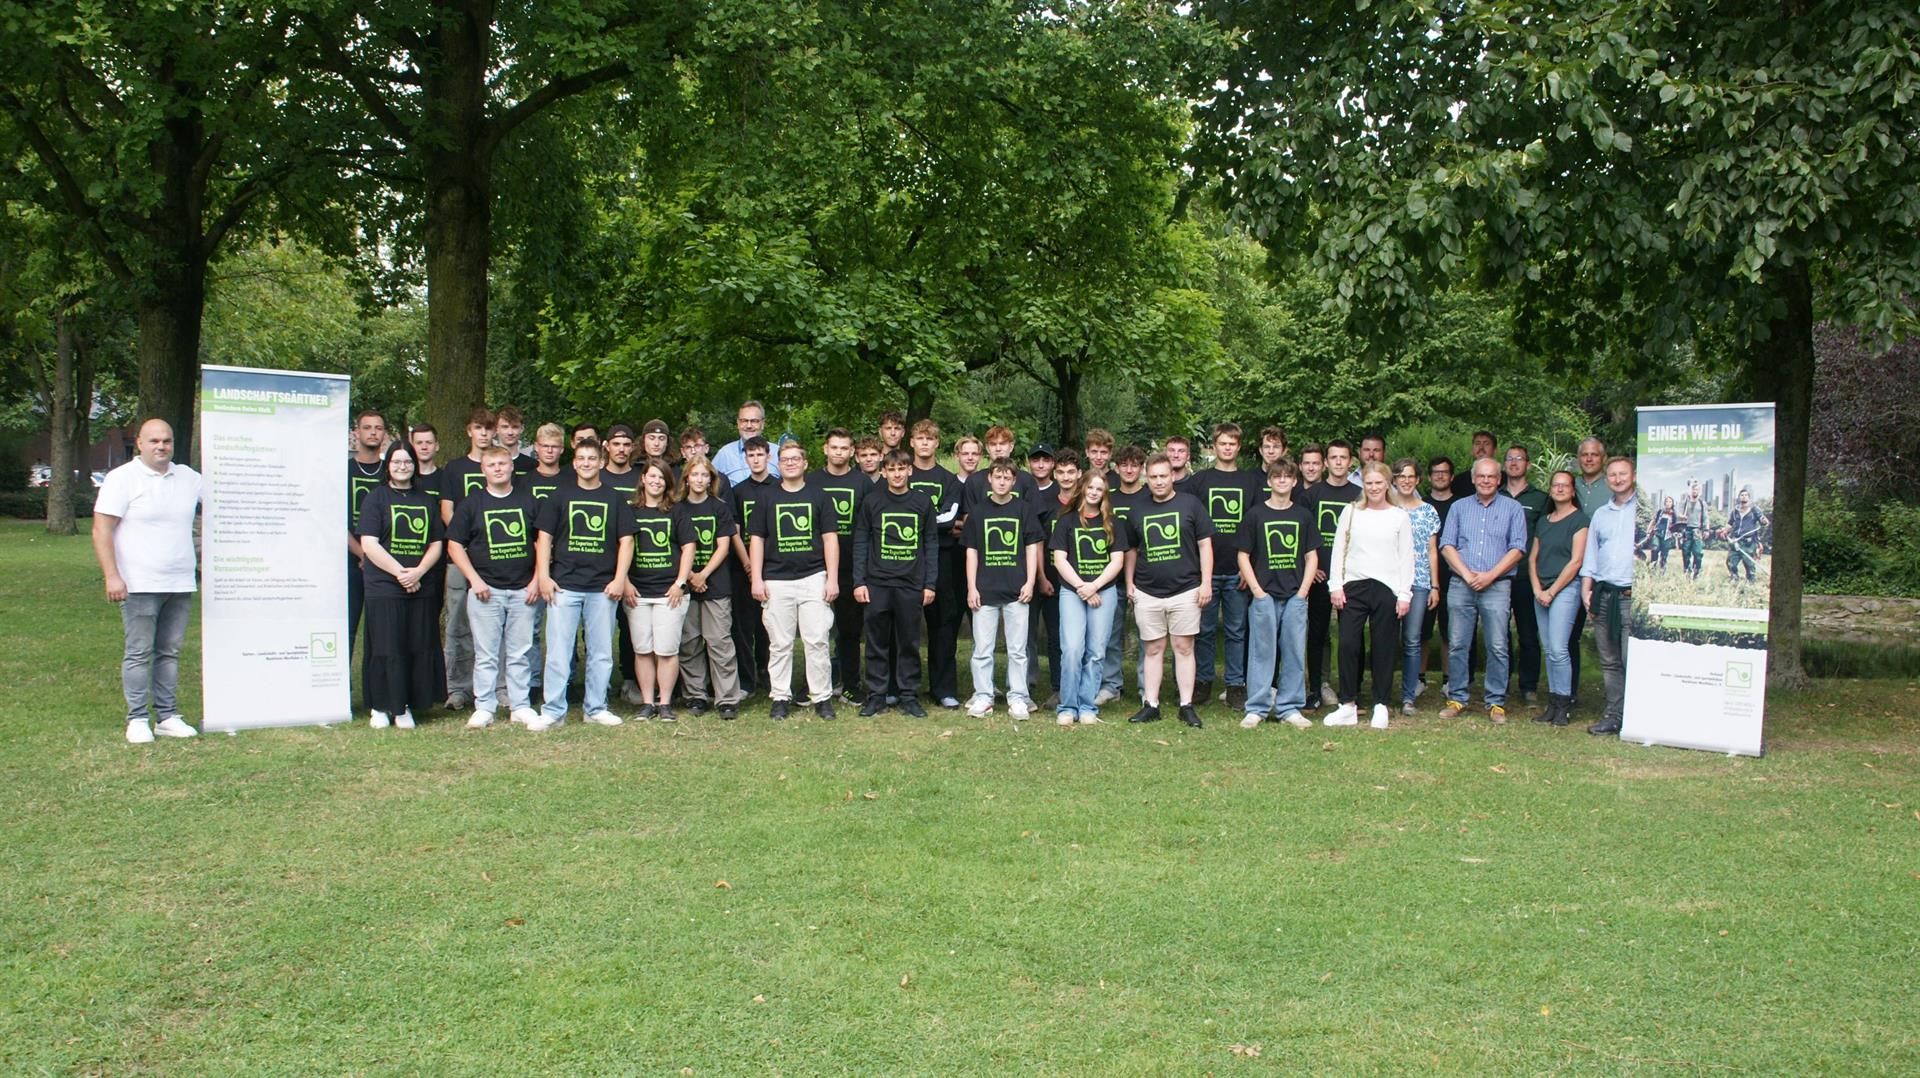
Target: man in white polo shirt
[{"x": 143, "y": 536}]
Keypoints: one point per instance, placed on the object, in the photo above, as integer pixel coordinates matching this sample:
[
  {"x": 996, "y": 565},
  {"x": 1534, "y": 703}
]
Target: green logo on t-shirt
[
  {"x": 793, "y": 527},
  {"x": 409, "y": 526},
  {"x": 506, "y": 533},
  {"x": 842, "y": 507},
  {"x": 651, "y": 546},
  {"x": 999, "y": 542},
  {"x": 1160, "y": 536},
  {"x": 1283, "y": 544},
  {"x": 542, "y": 490},
  {"x": 361, "y": 487},
  {"x": 1224, "y": 505},
  {"x": 1090, "y": 555},
  {"x": 1329, "y": 520},
  {"x": 931, "y": 490},
  {"x": 587, "y": 527},
  {"x": 471, "y": 482},
  {"x": 899, "y": 536},
  {"x": 704, "y": 529}
]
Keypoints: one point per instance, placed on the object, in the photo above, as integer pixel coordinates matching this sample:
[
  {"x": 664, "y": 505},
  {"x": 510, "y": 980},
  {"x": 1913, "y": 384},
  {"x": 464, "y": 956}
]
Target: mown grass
[{"x": 939, "y": 896}]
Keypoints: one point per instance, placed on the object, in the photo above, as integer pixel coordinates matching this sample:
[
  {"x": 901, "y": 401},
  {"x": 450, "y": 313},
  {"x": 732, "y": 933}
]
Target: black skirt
[{"x": 404, "y": 668}]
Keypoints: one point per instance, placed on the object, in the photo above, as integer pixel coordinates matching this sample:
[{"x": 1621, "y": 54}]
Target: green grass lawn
[{"x": 937, "y": 896}]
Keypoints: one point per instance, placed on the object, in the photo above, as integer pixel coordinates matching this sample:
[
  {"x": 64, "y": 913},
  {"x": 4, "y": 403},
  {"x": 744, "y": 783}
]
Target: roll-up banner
[
  {"x": 274, "y": 548},
  {"x": 1697, "y": 654}
]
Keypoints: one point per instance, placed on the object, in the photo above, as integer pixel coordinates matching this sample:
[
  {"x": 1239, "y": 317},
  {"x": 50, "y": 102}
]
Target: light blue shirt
[
  {"x": 1609, "y": 557},
  {"x": 731, "y": 461},
  {"x": 1484, "y": 533}
]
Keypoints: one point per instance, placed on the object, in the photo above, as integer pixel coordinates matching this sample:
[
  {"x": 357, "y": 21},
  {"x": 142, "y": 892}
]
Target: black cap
[
  {"x": 617, "y": 430},
  {"x": 1041, "y": 450}
]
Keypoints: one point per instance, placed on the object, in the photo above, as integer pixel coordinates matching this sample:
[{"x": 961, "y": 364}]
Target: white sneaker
[
  {"x": 378, "y": 720},
  {"x": 603, "y": 717},
  {"x": 1297, "y": 720},
  {"x": 1089, "y": 717},
  {"x": 403, "y": 721},
  {"x": 1105, "y": 697},
  {"x": 523, "y": 715},
  {"x": 1017, "y": 707},
  {"x": 1407, "y": 708},
  {"x": 480, "y": 720},
  {"x": 1064, "y": 718},
  {"x": 980, "y": 707},
  {"x": 139, "y": 733},
  {"x": 1329, "y": 697},
  {"x": 1252, "y": 721},
  {"x": 1344, "y": 715},
  {"x": 1379, "y": 717},
  {"x": 540, "y": 721},
  {"x": 175, "y": 726}
]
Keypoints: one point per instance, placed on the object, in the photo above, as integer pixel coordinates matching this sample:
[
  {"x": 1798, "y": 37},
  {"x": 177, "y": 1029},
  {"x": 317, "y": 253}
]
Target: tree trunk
[
  {"x": 170, "y": 312},
  {"x": 459, "y": 222},
  {"x": 919, "y": 404},
  {"x": 1069, "y": 405},
  {"x": 60, "y": 412},
  {"x": 1783, "y": 371}
]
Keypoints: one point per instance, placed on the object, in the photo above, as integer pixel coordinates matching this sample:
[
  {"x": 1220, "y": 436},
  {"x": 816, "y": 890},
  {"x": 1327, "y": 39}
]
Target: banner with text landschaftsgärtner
[
  {"x": 274, "y": 548},
  {"x": 1697, "y": 653}
]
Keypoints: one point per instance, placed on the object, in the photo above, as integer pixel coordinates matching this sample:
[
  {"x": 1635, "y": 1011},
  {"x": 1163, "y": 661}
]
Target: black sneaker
[
  {"x": 1236, "y": 697},
  {"x": 910, "y": 705},
  {"x": 875, "y": 705},
  {"x": 664, "y": 713},
  {"x": 1189, "y": 716},
  {"x": 779, "y": 710},
  {"x": 699, "y": 707},
  {"x": 1147, "y": 713},
  {"x": 848, "y": 696},
  {"x": 647, "y": 711},
  {"x": 824, "y": 709},
  {"x": 729, "y": 712}
]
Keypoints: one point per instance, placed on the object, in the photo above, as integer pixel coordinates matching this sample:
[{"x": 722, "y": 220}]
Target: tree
[
  {"x": 426, "y": 94},
  {"x": 1688, "y": 166},
  {"x": 154, "y": 129},
  {"x": 867, "y": 205}
]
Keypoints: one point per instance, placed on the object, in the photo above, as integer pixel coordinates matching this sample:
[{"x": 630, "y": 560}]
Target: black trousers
[
  {"x": 356, "y": 600},
  {"x": 1319, "y": 625},
  {"x": 1526, "y": 637},
  {"x": 749, "y": 634},
  {"x": 892, "y": 625},
  {"x": 848, "y": 617},
  {"x": 1369, "y": 609},
  {"x": 943, "y": 624},
  {"x": 1048, "y": 607},
  {"x": 404, "y": 669},
  {"x": 1573, "y": 641}
]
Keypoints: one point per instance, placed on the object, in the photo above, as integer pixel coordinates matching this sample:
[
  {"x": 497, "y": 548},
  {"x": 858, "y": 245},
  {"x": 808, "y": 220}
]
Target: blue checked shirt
[{"x": 1483, "y": 534}]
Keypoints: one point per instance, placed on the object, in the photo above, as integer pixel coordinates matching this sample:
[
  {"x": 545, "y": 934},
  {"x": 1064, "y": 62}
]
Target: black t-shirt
[
  {"x": 977, "y": 489},
  {"x": 793, "y": 524},
  {"x": 658, "y": 539},
  {"x": 893, "y": 540},
  {"x": 430, "y": 484},
  {"x": 845, "y": 492},
  {"x": 407, "y": 524},
  {"x": 1462, "y": 485},
  {"x": 1123, "y": 504},
  {"x": 747, "y": 496},
  {"x": 1001, "y": 535},
  {"x": 712, "y": 524},
  {"x": 497, "y": 533},
  {"x": 1087, "y": 545},
  {"x": 461, "y": 480},
  {"x": 362, "y": 479},
  {"x": 625, "y": 482},
  {"x": 1165, "y": 538},
  {"x": 1327, "y": 502},
  {"x": 543, "y": 487},
  {"x": 586, "y": 527},
  {"x": 1277, "y": 541},
  {"x": 940, "y": 486},
  {"x": 1227, "y": 497}
]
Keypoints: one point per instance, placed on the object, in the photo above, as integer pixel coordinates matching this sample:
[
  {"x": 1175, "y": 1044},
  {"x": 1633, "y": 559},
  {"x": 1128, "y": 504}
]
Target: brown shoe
[
  {"x": 1497, "y": 715},
  {"x": 1452, "y": 709}
]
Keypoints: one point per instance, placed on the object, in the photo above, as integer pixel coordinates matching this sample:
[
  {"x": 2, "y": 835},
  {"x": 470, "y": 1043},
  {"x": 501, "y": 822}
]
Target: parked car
[{"x": 39, "y": 475}]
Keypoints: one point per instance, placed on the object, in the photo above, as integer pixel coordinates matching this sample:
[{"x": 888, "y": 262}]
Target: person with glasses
[{"x": 1405, "y": 493}]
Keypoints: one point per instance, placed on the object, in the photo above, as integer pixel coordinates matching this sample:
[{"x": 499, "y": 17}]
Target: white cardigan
[{"x": 1373, "y": 544}]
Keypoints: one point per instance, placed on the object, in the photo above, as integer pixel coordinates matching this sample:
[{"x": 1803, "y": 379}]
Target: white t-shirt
[{"x": 154, "y": 542}]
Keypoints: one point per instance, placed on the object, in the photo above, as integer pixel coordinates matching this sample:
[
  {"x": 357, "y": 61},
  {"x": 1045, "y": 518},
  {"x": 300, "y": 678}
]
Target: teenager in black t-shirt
[
  {"x": 1333, "y": 493},
  {"x": 585, "y": 544},
  {"x": 1278, "y": 555},
  {"x": 366, "y": 470},
  {"x": 844, "y": 486},
  {"x": 490, "y": 543},
  {"x": 749, "y": 626},
  {"x": 944, "y": 490},
  {"x": 1227, "y": 492},
  {"x": 457, "y": 481},
  {"x": 706, "y": 636},
  {"x": 1169, "y": 580},
  {"x": 656, "y": 599},
  {"x": 1126, "y": 489},
  {"x": 401, "y": 540},
  {"x": 1003, "y": 541},
  {"x": 1088, "y": 548},
  {"x": 895, "y": 571},
  {"x": 795, "y": 566}
]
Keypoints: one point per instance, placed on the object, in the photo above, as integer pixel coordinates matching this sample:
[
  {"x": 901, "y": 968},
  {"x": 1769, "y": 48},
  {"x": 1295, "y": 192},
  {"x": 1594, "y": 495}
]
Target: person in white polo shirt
[{"x": 143, "y": 536}]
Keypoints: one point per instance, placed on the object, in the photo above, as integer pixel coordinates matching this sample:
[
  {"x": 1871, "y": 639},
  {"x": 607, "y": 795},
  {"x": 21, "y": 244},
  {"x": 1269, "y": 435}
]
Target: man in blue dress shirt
[
  {"x": 1606, "y": 586},
  {"x": 1484, "y": 539}
]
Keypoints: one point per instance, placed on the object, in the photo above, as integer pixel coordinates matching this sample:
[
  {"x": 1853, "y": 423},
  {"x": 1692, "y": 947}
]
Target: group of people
[{"x": 703, "y": 581}]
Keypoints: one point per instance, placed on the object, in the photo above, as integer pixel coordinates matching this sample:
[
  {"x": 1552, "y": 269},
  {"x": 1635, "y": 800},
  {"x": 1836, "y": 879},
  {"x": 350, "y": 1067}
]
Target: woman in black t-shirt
[
  {"x": 657, "y": 588},
  {"x": 1087, "y": 551},
  {"x": 400, "y": 534}
]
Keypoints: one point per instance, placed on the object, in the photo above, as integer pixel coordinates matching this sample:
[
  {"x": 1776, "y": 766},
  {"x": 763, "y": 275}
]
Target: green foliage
[
  {"x": 31, "y": 504},
  {"x": 1861, "y": 549}
]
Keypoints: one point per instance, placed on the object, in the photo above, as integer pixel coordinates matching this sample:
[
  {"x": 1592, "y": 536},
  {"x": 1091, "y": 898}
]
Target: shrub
[{"x": 31, "y": 504}]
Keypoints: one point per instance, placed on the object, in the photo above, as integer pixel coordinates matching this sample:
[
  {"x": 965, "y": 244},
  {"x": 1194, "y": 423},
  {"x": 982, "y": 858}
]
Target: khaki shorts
[
  {"x": 654, "y": 627},
  {"x": 1176, "y": 614}
]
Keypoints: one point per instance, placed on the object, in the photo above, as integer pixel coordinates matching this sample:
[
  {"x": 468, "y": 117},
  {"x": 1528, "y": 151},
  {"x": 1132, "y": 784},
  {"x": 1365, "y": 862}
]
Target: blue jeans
[
  {"x": 1229, "y": 611},
  {"x": 1487, "y": 610},
  {"x": 156, "y": 625},
  {"x": 1276, "y": 624},
  {"x": 986, "y": 625},
  {"x": 1556, "y": 632},
  {"x": 565, "y": 615},
  {"x": 1084, "y": 631},
  {"x": 502, "y": 628},
  {"x": 1412, "y": 642}
]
